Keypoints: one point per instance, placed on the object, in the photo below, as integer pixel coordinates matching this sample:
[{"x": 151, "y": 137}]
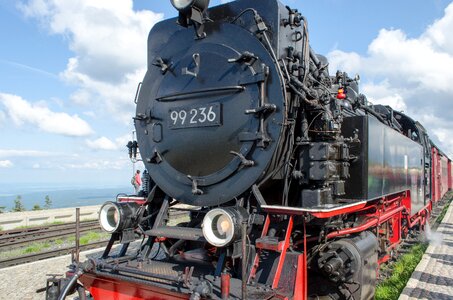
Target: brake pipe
[{"x": 70, "y": 285}]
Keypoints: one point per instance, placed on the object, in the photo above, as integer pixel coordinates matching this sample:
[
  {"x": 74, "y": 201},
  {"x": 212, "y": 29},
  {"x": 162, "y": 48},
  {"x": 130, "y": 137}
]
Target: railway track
[
  {"x": 35, "y": 229},
  {"x": 17, "y": 238},
  {"x": 48, "y": 254}
]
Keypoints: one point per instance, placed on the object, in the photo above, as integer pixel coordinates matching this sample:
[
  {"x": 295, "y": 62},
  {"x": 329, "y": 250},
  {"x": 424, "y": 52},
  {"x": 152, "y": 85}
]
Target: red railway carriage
[
  {"x": 441, "y": 174},
  {"x": 450, "y": 175},
  {"x": 297, "y": 186}
]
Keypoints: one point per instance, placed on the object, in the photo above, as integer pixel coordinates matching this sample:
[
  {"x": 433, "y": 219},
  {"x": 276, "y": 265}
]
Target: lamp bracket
[{"x": 194, "y": 17}]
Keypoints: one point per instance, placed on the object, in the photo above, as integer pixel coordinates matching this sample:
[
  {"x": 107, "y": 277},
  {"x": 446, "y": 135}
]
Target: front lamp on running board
[
  {"x": 116, "y": 216},
  {"x": 222, "y": 226}
]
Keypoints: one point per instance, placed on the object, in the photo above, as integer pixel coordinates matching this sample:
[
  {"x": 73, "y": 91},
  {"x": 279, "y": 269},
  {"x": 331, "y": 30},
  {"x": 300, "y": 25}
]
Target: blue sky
[{"x": 69, "y": 69}]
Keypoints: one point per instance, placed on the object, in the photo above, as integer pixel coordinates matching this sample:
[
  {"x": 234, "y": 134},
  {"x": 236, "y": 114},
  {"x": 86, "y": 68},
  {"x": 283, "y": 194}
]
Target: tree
[
  {"x": 48, "y": 202},
  {"x": 18, "y": 206},
  {"x": 36, "y": 207},
  {"x": 2, "y": 209}
]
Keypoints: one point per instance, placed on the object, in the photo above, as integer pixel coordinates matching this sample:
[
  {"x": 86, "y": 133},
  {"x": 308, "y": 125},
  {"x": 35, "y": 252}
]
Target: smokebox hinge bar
[
  {"x": 195, "y": 189},
  {"x": 244, "y": 161},
  {"x": 162, "y": 64}
]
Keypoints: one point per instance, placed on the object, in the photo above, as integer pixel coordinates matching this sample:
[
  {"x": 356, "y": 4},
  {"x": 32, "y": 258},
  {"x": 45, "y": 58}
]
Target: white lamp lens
[
  {"x": 109, "y": 217},
  {"x": 218, "y": 227},
  {"x": 221, "y": 226},
  {"x": 181, "y": 4}
]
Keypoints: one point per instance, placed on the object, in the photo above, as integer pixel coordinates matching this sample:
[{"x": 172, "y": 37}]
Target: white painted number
[
  {"x": 194, "y": 116},
  {"x": 211, "y": 115},
  {"x": 174, "y": 117},
  {"x": 203, "y": 114},
  {"x": 183, "y": 116},
  {"x": 193, "y": 113}
]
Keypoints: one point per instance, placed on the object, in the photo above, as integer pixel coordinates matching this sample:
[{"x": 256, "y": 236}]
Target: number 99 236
[{"x": 195, "y": 116}]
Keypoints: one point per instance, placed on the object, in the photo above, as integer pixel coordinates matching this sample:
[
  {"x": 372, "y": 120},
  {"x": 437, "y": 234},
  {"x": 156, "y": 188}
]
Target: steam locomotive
[{"x": 297, "y": 186}]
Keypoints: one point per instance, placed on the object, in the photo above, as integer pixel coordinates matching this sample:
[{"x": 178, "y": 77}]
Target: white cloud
[
  {"x": 348, "y": 62},
  {"x": 25, "y": 153},
  {"x": 6, "y": 164},
  {"x": 102, "y": 143},
  {"x": 119, "y": 164},
  {"x": 90, "y": 114},
  {"x": 413, "y": 74},
  {"x": 410, "y": 61},
  {"x": 383, "y": 93},
  {"x": 2, "y": 118},
  {"x": 122, "y": 141},
  {"x": 439, "y": 33},
  {"x": 109, "y": 42},
  {"x": 40, "y": 116}
]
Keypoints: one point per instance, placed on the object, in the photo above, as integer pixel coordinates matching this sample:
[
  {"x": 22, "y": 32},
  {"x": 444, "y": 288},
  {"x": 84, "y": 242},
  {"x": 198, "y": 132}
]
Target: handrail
[{"x": 181, "y": 95}]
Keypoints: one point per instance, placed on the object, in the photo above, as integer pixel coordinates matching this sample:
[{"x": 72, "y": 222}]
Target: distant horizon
[
  {"x": 8, "y": 188},
  {"x": 63, "y": 197}
]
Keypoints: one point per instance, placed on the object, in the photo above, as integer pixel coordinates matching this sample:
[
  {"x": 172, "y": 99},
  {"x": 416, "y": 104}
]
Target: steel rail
[
  {"x": 35, "y": 229},
  {"x": 48, "y": 254},
  {"x": 9, "y": 238},
  {"x": 14, "y": 244}
]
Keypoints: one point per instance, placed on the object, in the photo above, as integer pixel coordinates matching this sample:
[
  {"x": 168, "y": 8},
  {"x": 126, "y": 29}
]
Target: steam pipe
[
  {"x": 415, "y": 222},
  {"x": 365, "y": 226},
  {"x": 419, "y": 219},
  {"x": 315, "y": 59}
]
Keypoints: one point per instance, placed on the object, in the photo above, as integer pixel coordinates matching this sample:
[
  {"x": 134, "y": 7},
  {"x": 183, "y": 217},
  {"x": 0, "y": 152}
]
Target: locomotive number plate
[{"x": 195, "y": 116}]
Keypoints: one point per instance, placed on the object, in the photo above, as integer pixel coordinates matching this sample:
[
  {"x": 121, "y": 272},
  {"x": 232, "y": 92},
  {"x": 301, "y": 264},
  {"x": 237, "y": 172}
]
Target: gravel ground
[{"x": 21, "y": 282}]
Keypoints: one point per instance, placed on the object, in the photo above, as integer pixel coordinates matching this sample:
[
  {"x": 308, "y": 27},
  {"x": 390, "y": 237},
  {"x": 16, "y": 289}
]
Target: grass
[
  {"x": 89, "y": 237},
  {"x": 33, "y": 248},
  {"x": 392, "y": 287}
]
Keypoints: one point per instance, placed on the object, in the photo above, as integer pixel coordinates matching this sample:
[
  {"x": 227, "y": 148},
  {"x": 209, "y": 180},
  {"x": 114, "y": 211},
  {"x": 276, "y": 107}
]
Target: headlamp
[
  {"x": 116, "y": 216},
  {"x": 222, "y": 226}
]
